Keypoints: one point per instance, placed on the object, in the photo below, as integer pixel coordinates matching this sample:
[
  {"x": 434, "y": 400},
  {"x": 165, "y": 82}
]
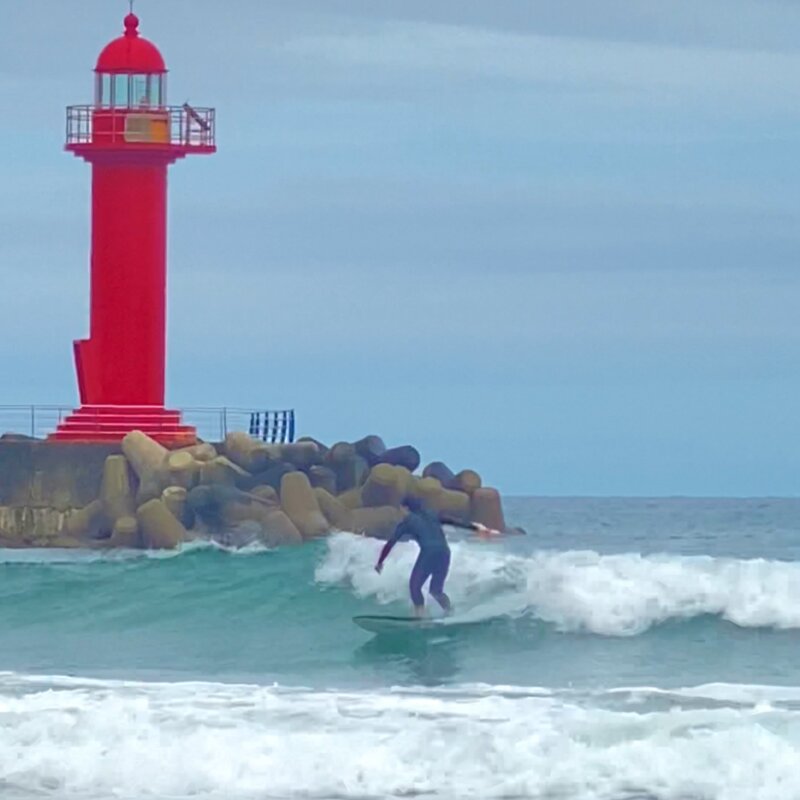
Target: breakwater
[{"x": 139, "y": 494}]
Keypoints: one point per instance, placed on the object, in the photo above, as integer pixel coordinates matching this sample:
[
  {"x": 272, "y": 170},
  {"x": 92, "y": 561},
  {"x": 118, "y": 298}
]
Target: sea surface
[{"x": 626, "y": 649}]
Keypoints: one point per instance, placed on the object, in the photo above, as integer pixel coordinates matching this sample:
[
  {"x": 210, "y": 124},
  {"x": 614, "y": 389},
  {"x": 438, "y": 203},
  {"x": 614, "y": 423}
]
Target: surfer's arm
[
  {"x": 469, "y": 526},
  {"x": 387, "y": 548}
]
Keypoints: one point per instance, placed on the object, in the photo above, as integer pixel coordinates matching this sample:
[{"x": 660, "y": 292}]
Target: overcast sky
[{"x": 555, "y": 241}]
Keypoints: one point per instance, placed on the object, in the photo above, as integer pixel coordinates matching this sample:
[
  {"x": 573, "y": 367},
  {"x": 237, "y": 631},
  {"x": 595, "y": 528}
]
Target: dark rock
[
  {"x": 370, "y": 448},
  {"x": 405, "y": 456},
  {"x": 442, "y": 473}
]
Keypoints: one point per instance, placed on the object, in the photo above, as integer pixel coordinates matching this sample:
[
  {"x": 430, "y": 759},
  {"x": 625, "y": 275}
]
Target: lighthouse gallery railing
[
  {"x": 184, "y": 125},
  {"x": 212, "y": 424}
]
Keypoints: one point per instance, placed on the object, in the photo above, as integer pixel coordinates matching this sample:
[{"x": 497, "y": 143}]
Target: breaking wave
[{"x": 582, "y": 591}]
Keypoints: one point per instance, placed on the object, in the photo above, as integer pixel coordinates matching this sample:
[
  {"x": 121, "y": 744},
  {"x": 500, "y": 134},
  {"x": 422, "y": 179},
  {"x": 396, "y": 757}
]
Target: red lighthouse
[{"x": 130, "y": 136}]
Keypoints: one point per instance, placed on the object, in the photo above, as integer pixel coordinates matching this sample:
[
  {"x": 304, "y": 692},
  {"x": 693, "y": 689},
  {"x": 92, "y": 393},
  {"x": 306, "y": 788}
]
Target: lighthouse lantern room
[{"x": 129, "y": 136}]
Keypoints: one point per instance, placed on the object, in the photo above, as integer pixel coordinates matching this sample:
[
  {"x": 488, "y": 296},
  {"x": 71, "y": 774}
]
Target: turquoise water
[{"x": 625, "y": 648}]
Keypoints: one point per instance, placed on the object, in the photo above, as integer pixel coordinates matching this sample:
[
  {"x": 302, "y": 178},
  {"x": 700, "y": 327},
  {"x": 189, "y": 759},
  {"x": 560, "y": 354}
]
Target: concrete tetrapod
[
  {"x": 85, "y": 522},
  {"x": 487, "y": 508},
  {"x": 468, "y": 481},
  {"x": 159, "y": 528},
  {"x": 200, "y": 452},
  {"x": 350, "y": 499},
  {"x": 116, "y": 491},
  {"x": 221, "y": 471},
  {"x": 249, "y": 453},
  {"x": 183, "y": 469},
  {"x": 126, "y": 533},
  {"x": 451, "y": 503},
  {"x": 370, "y": 448},
  {"x": 426, "y": 490},
  {"x": 379, "y": 522},
  {"x": 301, "y": 506},
  {"x": 442, "y": 473},
  {"x": 323, "y": 478},
  {"x": 147, "y": 459},
  {"x": 385, "y": 486},
  {"x": 175, "y": 499},
  {"x": 338, "y": 515},
  {"x": 301, "y": 454},
  {"x": 405, "y": 456}
]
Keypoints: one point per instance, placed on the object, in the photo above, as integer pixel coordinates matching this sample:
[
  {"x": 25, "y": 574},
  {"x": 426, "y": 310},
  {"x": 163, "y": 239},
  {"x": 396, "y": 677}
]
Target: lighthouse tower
[{"x": 130, "y": 136}]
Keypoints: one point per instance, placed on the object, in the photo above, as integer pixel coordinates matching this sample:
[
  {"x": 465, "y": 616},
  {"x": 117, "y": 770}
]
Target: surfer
[{"x": 433, "y": 561}]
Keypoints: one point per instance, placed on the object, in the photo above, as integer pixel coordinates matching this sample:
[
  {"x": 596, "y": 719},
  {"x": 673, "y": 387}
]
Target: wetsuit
[{"x": 425, "y": 528}]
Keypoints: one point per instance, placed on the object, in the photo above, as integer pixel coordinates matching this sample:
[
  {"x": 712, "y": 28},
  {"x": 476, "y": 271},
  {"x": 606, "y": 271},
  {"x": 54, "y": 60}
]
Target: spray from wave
[
  {"x": 582, "y": 591},
  {"x": 90, "y": 739}
]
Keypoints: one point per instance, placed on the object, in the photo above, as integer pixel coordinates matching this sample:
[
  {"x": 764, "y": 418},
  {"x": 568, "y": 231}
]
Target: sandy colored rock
[
  {"x": 487, "y": 508},
  {"x": 301, "y": 454},
  {"x": 159, "y": 528},
  {"x": 370, "y": 448},
  {"x": 385, "y": 486},
  {"x": 426, "y": 490},
  {"x": 350, "y": 473},
  {"x": 350, "y": 499},
  {"x": 442, "y": 473},
  {"x": 183, "y": 469},
  {"x": 452, "y": 504},
  {"x": 267, "y": 494},
  {"x": 377, "y": 522},
  {"x": 272, "y": 476},
  {"x": 280, "y": 530},
  {"x": 468, "y": 481},
  {"x": 221, "y": 471},
  {"x": 224, "y": 512},
  {"x": 85, "y": 522},
  {"x": 143, "y": 453},
  {"x": 405, "y": 456},
  {"x": 237, "y": 448},
  {"x": 323, "y": 449},
  {"x": 337, "y": 514},
  {"x": 125, "y": 533},
  {"x": 249, "y": 453},
  {"x": 200, "y": 452},
  {"x": 322, "y": 477},
  {"x": 175, "y": 499},
  {"x": 340, "y": 452},
  {"x": 301, "y": 506},
  {"x": 117, "y": 490}
]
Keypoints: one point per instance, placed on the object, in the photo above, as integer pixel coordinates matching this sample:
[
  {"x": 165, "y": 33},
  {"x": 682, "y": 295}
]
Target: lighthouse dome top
[{"x": 131, "y": 53}]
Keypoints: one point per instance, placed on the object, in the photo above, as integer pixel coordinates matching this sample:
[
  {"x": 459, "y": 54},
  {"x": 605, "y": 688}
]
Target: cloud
[{"x": 667, "y": 72}]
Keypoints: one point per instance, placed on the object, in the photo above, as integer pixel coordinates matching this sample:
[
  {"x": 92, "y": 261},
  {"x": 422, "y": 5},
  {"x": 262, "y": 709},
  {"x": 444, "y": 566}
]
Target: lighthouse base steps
[{"x": 112, "y": 423}]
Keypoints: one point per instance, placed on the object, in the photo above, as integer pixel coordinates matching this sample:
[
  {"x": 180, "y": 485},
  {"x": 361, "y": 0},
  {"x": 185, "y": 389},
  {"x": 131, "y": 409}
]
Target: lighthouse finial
[{"x": 131, "y": 22}]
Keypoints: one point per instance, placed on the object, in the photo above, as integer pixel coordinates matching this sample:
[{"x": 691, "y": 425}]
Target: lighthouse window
[
  {"x": 120, "y": 87},
  {"x": 146, "y": 90},
  {"x": 103, "y": 91}
]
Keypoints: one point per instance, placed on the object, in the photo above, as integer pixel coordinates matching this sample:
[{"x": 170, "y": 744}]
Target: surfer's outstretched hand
[{"x": 483, "y": 531}]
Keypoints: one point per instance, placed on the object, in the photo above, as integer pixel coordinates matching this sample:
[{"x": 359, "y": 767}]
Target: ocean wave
[
  {"x": 58, "y": 555},
  {"x": 582, "y": 591},
  {"x": 68, "y": 737}
]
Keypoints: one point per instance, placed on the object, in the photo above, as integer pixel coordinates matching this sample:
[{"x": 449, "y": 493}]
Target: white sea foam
[
  {"x": 57, "y": 555},
  {"x": 89, "y": 739},
  {"x": 615, "y": 595}
]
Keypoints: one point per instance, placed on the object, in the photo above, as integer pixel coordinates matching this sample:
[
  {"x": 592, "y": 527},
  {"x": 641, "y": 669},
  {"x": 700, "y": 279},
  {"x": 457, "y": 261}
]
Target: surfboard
[{"x": 388, "y": 624}]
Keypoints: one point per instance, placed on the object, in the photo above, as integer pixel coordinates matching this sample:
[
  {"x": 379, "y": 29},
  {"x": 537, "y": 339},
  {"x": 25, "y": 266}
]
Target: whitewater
[{"x": 624, "y": 649}]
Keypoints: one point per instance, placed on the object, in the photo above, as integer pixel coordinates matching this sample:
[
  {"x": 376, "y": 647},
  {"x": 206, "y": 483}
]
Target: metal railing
[
  {"x": 212, "y": 424},
  {"x": 183, "y": 126}
]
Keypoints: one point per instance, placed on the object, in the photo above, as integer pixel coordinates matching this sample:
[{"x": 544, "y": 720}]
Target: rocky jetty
[{"x": 243, "y": 491}]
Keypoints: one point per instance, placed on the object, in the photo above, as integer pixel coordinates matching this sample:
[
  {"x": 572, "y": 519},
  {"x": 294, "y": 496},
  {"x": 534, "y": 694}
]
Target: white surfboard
[{"x": 389, "y": 624}]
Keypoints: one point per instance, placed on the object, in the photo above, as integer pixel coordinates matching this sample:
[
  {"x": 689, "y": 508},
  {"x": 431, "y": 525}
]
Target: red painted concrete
[{"x": 121, "y": 366}]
